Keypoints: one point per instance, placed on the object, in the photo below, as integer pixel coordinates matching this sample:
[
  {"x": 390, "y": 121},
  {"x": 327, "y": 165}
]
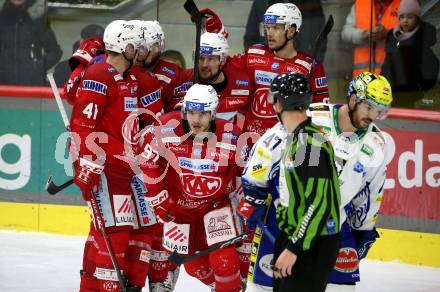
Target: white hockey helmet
[
  {"x": 284, "y": 13},
  {"x": 157, "y": 33},
  {"x": 201, "y": 98},
  {"x": 214, "y": 44},
  {"x": 150, "y": 35},
  {"x": 120, "y": 33}
]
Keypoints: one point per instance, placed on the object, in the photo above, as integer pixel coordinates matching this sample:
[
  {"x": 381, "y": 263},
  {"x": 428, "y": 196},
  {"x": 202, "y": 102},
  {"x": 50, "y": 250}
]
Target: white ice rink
[{"x": 31, "y": 262}]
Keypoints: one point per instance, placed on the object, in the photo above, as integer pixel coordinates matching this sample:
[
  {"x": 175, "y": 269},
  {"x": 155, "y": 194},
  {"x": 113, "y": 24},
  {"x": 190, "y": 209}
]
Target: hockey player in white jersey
[{"x": 360, "y": 153}]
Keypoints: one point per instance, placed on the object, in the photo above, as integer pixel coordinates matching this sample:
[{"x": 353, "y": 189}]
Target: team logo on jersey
[
  {"x": 347, "y": 260},
  {"x": 178, "y": 148},
  {"x": 165, "y": 129},
  {"x": 146, "y": 215},
  {"x": 233, "y": 102},
  {"x": 163, "y": 78},
  {"x": 123, "y": 212},
  {"x": 239, "y": 82},
  {"x": 256, "y": 51},
  {"x": 219, "y": 225},
  {"x": 183, "y": 88},
  {"x": 240, "y": 92},
  {"x": 175, "y": 237},
  {"x": 304, "y": 63},
  {"x": 275, "y": 66},
  {"x": 331, "y": 226},
  {"x": 295, "y": 68},
  {"x": 358, "y": 167},
  {"x": 265, "y": 264},
  {"x": 361, "y": 206},
  {"x": 169, "y": 71},
  {"x": 229, "y": 136},
  {"x": 197, "y": 151},
  {"x": 130, "y": 129},
  {"x": 158, "y": 199},
  {"x": 151, "y": 98},
  {"x": 264, "y": 77},
  {"x": 118, "y": 77},
  {"x": 254, "y": 61},
  {"x": 366, "y": 149},
  {"x": 259, "y": 171},
  {"x": 319, "y": 107},
  {"x": 261, "y": 107},
  {"x": 95, "y": 86},
  {"x": 130, "y": 104},
  {"x": 321, "y": 82},
  {"x": 198, "y": 165},
  {"x": 200, "y": 186}
]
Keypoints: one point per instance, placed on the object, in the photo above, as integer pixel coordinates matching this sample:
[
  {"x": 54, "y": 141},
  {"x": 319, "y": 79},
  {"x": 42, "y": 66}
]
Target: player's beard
[
  {"x": 208, "y": 77},
  {"x": 360, "y": 123},
  {"x": 198, "y": 128}
]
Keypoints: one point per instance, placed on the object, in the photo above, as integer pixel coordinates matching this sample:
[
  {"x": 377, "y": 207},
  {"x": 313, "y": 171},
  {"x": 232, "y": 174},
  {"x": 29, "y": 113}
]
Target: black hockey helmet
[{"x": 292, "y": 90}]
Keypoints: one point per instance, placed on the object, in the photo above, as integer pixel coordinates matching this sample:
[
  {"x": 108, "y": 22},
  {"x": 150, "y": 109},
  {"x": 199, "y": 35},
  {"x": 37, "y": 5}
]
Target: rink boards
[{"x": 31, "y": 149}]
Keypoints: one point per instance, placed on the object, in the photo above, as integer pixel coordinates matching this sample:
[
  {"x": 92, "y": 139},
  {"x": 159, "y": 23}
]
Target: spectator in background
[
  {"x": 368, "y": 41},
  {"x": 28, "y": 47},
  {"x": 410, "y": 64},
  {"x": 313, "y": 22},
  {"x": 62, "y": 69},
  {"x": 175, "y": 57}
]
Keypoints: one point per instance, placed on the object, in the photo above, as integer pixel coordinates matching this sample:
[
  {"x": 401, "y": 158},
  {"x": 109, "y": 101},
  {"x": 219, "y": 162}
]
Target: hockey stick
[
  {"x": 266, "y": 231},
  {"x": 320, "y": 39},
  {"x": 53, "y": 189},
  {"x": 192, "y": 9},
  {"x": 180, "y": 259},
  {"x": 95, "y": 208}
]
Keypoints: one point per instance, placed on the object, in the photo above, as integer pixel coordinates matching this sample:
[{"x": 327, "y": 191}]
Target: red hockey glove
[
  {"x": 88, "y": 49},
  {"x": 213, "y": 22},
  {"x": 87, "y": 176}
]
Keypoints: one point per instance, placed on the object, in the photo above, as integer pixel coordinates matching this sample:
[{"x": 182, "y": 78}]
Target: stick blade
[
  {"x": 50, "y": 187},
  {"x": 329, "y": 25},
  {"x": 176, "y": 258},
  {"x": 192, "y": 9}
]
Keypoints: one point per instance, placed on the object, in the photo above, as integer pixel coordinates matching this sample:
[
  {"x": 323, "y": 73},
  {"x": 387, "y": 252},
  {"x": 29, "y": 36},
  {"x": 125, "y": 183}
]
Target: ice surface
[{"x": 44, "y": 262}]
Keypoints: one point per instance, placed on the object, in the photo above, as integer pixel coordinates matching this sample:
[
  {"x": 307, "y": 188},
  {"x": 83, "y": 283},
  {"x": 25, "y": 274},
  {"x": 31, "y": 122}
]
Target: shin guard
[{"x": 225, "y": 264}]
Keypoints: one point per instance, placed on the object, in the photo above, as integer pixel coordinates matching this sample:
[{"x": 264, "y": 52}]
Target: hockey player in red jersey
[
  {"x": 150, "y": 88},
  {"x": 232, "y": 84},
  {"x": 192, "y": 172},
  {"x": 104, "y": 130},
  {"x": 282, "y": 22},
  {"x": 171, "y": 75}
]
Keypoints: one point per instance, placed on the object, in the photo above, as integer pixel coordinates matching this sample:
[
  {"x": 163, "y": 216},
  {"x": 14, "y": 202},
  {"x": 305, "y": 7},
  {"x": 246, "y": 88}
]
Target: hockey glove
[
  {"x": 364, "y": 240},
  {"x": 87, "y": 176},
  {"x": 213, "y": 22},
  {"x": 251, "y": 214},
  {"x": 253, "y": 205},
  {"x": 88, "y": 49}
]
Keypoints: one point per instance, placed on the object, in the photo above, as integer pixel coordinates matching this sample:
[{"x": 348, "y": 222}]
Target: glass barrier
[{"x": 40, "y": 35}]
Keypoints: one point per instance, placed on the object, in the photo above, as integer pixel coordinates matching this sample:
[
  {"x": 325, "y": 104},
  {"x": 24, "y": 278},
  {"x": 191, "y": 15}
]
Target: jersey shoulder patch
[{"x": 319, "y": 107}]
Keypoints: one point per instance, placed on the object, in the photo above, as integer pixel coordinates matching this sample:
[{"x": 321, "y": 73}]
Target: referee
[{"x": 308, "y": 208}]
